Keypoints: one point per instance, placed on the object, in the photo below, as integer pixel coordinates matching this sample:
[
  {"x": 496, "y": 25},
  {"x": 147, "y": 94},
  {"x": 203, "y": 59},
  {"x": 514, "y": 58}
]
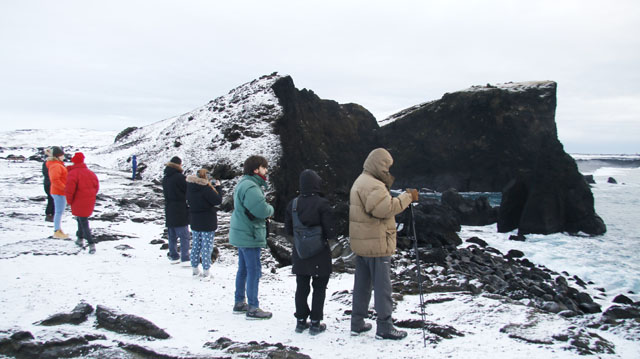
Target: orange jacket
[{"x": 57, "y": 175}]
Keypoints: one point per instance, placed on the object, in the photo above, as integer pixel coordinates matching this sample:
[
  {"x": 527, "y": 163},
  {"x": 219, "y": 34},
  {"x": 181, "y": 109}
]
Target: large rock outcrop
[
  {"x": 492, "y": 138},
  {"x": 479, "y": 139}
]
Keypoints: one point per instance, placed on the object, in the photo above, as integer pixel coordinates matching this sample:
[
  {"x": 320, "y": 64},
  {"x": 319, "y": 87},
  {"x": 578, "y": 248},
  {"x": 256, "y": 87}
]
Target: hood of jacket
[
  {"x": 310, "y": 183},
  {"x": 378, "y": 164},
  {"x": 197, "y": 180},
  {"x": 172, "y": 168}
]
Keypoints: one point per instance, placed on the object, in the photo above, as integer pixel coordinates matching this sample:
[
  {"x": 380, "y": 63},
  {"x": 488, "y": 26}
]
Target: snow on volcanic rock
[{"x": 224, "y": 132}]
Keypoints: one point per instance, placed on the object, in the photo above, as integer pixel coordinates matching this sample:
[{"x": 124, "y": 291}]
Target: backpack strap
[{"x": 294, "y": 212}]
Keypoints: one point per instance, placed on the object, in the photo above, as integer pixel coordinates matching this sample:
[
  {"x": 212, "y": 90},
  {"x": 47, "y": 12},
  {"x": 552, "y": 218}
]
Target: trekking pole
[{"x": 415, "y": 248}]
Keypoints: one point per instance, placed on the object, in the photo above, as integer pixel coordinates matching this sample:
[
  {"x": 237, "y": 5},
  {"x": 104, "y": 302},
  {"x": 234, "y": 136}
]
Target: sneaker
[
  {"x": 92, "y": 248},
  {"x": 301, "y": 325},
  {"x": 80, "y": 243},
  {"x": 240, "y": 308},
  {"x": 60, "y": 234},
  {"x": 317, "y": 327},
  {"x": 48, "y": 218},
  {"x": 196, "y": 271},
  {"x": 257, "y": 313},
  {"x": 365, "y": 328},
  {"x": 393, "y": 334}
]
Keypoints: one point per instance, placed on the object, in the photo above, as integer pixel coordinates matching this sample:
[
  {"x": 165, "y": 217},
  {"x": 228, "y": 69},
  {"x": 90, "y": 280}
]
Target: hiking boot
[
  {"x": 240, "y": 308},
  {"x": 301, "y": 325},
  {"x": 80, "y": 243},
  {"x": 317, "y": 327},
  {"x": 365, "y": 328},
  {"x": 257, "y": 313},
  {"x": 92, "y": 248},
  {"x": 196, "y": 271},
  {"x": 60, "y": 234},
  {"x": 393, "y": 334},
  {"x": 206, "y": 274},
  {"x": 48, "y": 218}
]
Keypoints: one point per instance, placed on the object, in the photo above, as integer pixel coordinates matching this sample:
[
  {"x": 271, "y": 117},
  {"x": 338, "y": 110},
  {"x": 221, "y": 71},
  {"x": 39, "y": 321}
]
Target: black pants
[
  {"x": 317, "y": 299},
  {"x": 83, "y": 229},
  {"x": 49, "y": 210}
]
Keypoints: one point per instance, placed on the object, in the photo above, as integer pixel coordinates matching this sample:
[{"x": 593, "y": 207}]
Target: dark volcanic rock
[
  {"x": 127, "y": 323},
  {"x": 472, "y": 212},
  {"x": 484, "y": 138},
  {"x": 78, "y": 315},
  {"x": 612, "y": 180},
  {"x": 589, "y": 179},
  {"x": 254, "y": 349},
  {"x": 331, "y": 138},
  {"x": 436, "y": 225}
]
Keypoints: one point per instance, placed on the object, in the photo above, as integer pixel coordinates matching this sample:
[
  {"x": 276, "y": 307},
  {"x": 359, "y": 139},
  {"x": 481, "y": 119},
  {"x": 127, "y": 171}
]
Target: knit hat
[
  {"x": 77, "y": 158},
  {"x": 56, "y": 151},
  {"x": 176, "y": 160}
]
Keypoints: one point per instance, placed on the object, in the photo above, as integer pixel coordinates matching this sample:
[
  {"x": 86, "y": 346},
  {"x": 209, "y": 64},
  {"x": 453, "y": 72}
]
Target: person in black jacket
[
  {"x": 174, "y": 188},
  {"x": 313, "y": 210},
  {"x": 47, "y": 187},
  {"x": 202, "y": 198}
]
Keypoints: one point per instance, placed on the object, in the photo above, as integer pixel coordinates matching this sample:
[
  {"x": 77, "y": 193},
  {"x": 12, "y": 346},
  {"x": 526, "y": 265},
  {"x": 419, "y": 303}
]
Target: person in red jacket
[
  {"x": 82, "y": 187},
  {"x": 58, "y": 178}
]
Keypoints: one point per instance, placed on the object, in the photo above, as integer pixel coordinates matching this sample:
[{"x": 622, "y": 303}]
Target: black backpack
[{"x": 308, "y": 241}]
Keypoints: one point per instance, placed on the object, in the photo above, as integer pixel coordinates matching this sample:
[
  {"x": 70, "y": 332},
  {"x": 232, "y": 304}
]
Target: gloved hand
[{"x": 414, "y": 194}]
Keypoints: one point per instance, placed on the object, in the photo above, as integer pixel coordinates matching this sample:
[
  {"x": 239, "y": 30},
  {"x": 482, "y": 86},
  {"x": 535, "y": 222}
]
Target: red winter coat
[{"x": 82, "y": 187}]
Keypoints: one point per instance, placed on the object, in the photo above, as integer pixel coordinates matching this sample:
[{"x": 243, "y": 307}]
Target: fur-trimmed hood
[
  {"x": 197, "y": 180},
  {"x": 174, "y": 166}
]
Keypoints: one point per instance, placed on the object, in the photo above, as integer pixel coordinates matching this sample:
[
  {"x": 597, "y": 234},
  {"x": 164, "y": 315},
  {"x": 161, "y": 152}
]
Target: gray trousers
[{"x": 372, "y": 273}]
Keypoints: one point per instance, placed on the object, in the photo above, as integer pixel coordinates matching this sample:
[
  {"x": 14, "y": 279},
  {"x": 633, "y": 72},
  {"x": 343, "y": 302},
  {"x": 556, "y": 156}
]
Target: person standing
[
  {"x": 248, "y": 233},
  {"x": 48, "y": 212},
  {"x": 134, "y": 167},
  {"x": 58, "y": 178},
  {"x": 174, "y": 188},
  {"x": 312, "y": 210},
  {"x": 202, "y": 198},
  {"x": 372, "y": 232},
  {"x": 81, "y": 190}
]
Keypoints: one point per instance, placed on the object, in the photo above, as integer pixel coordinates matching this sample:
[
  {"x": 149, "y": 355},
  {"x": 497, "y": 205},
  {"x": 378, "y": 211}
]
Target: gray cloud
[{"x": 129, "y": 63}]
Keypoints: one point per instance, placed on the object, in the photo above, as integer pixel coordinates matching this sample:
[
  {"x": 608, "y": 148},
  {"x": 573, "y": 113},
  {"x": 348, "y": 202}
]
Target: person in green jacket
[{"x": 248, "y": 233}]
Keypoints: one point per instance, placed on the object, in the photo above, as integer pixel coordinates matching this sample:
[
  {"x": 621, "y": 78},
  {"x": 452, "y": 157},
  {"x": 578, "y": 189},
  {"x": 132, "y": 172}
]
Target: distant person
[
  {"x": 58, "y": 178},
  {"x": 248, "y": 233},
  {"x": 48, "y": 212},
  {"x": 174, "y": 188},
  {"x": 202, "y": 198},
  {"x": 134, "y": 167},
  {"x": 81, "y": 190},
  {"x": 312, "y": 210},
  {"x": 372, "y": 232}
]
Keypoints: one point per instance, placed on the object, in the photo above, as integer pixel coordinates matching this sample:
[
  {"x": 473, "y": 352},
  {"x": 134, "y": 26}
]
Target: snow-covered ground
[{"x": 40, "y": 276}]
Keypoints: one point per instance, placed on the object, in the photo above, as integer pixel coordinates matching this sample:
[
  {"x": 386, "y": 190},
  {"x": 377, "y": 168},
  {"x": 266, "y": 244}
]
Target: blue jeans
[
  {"x": 59, "y": 203},
  {"x": 183, "y": 234},
  {"x": 249, "y": 273},
  {"x": 201, "y": 248}
]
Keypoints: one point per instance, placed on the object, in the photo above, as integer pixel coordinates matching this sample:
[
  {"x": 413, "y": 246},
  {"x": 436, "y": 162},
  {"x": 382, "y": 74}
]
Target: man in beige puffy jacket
[{"x": 372, "y": 232}]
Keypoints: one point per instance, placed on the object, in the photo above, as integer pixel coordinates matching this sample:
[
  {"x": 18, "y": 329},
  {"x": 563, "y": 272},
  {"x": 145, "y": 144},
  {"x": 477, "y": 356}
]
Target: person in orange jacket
[
  {"x": 58, "y": 178},
  {"x": 82, "y": 187}
]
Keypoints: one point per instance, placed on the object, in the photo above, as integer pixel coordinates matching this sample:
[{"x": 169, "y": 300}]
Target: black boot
[
  {"x": 301, "y": 325},
  {"x": 317, "y": 327}
]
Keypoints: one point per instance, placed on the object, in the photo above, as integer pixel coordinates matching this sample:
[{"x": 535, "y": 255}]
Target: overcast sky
[{"x": 113, "y": 64}]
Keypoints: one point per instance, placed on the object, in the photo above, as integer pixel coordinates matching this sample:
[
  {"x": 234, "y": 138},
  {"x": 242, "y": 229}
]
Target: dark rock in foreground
[
  {"x": 127, "y": 323},
  {"x": 78, "y": 315},
  {"x": 257, "y": 350}
]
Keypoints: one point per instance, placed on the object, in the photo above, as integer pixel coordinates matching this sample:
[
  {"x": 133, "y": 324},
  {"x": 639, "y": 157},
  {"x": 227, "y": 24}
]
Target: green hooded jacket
[{"x": 248, "y": 195}]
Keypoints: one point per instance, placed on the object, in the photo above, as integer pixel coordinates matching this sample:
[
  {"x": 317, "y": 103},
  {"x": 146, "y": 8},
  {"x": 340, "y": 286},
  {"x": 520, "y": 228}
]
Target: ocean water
[{"x": 610, "y": 261}]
